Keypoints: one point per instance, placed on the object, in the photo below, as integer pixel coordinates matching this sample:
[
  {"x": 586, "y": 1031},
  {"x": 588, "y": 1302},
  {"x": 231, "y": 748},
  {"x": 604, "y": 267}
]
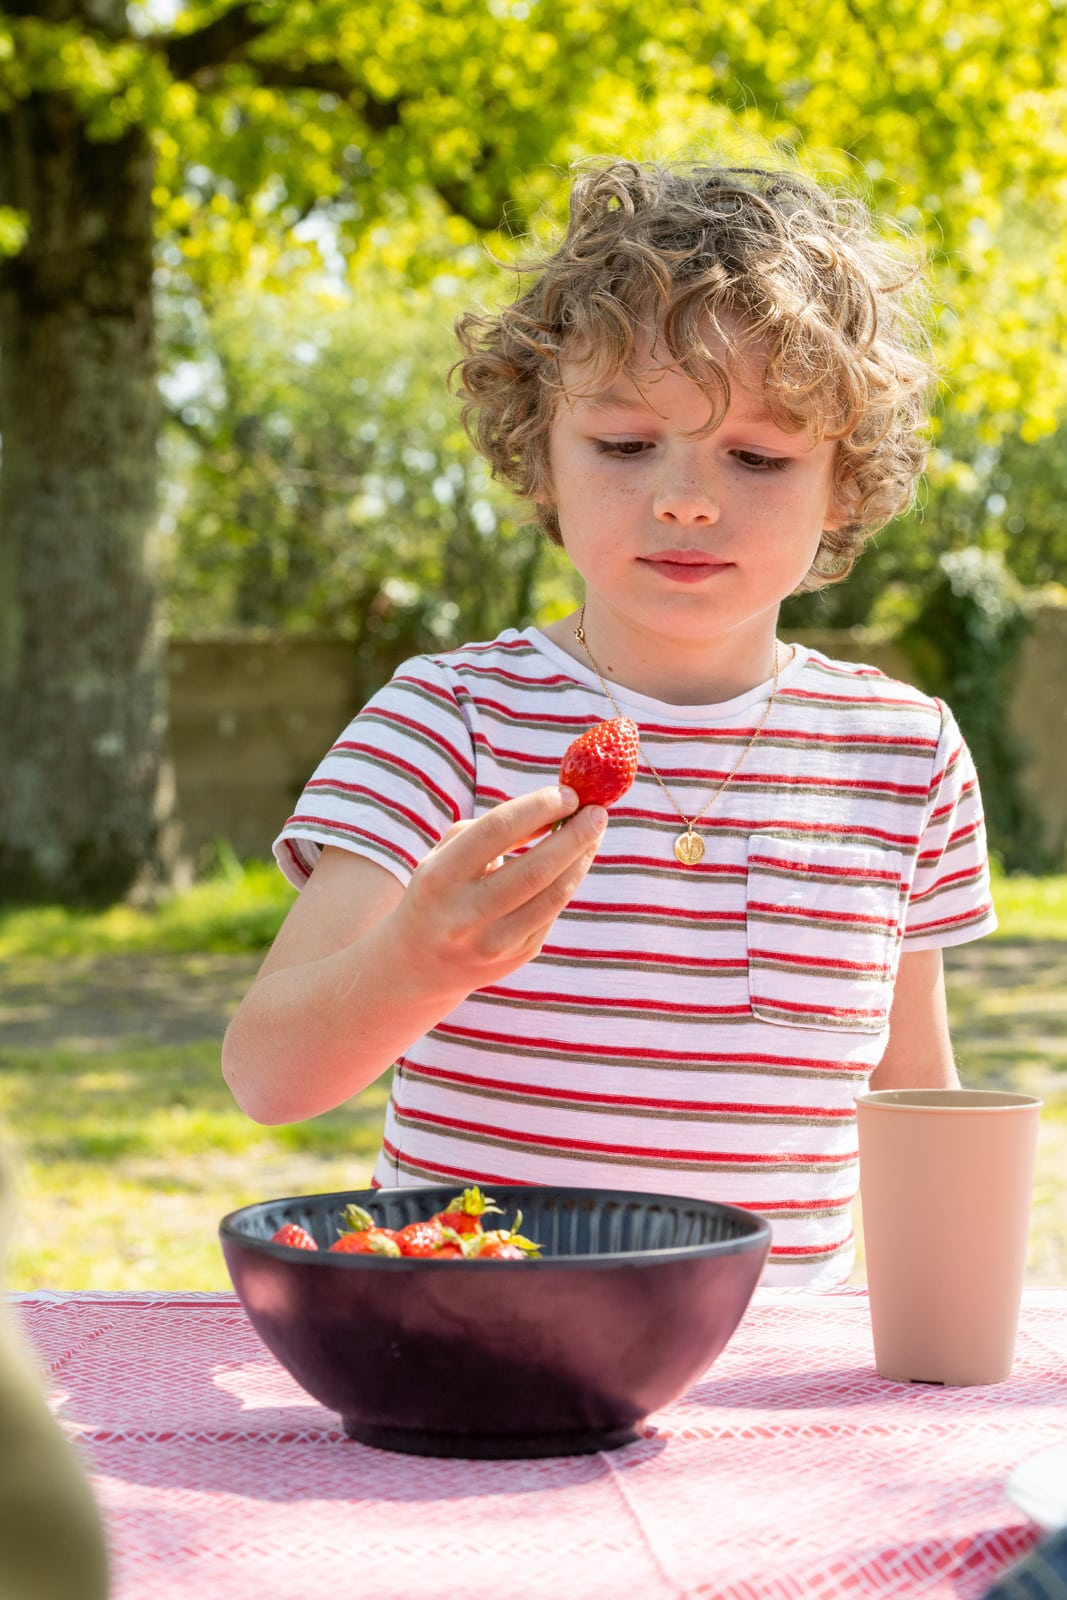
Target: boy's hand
[
  {"x": 362, "y": 966},
  {"x": 474, "y": 911}
]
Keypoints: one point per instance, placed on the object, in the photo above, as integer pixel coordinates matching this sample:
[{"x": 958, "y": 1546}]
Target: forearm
[
  {"x": 308, "y": 1037},
  {"x": 361, "y": 967},
  {"x": 919, "y": 1053}
]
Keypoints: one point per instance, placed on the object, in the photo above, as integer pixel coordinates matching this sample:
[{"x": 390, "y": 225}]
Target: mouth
[{"x": 685, "y": 566}]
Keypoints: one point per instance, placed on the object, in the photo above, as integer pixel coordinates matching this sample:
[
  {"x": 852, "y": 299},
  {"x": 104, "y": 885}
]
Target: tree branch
[
  {"x": 226, "y": 41},
  {"x": 329, "y": 77},
  {"x": 497, "y": 207},
  {"x": 190, "y": 55},
  {"x": 197, "y": 56},
  {"x": 104, "y": 17},
  {"x": 498, "y": 213}
]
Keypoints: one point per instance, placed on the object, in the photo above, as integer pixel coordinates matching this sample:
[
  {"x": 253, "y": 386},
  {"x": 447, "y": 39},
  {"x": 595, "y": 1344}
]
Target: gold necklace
[{"x": 689, "y": 846}]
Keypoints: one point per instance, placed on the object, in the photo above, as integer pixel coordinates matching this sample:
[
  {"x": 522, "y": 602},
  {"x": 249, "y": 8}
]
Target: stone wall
[{"x": 252, "y": 716}]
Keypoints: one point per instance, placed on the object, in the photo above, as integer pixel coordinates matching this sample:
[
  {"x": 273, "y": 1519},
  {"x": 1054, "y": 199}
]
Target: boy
[{"x": 712, "y": 395}]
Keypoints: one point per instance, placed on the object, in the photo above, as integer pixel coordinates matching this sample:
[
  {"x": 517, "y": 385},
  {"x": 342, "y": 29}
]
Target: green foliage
[
  {"x": 414, "y": 124},
  {"x": 13, "y": 224},
  {"x": 1006, "y": 497},
  {"x": 114, "y": 82},
  {"x": 322, "y": 482},
  {"x": 385, "y": 139},
  {"x": 964, "y": 640},
  {"x": 236, "y": 909},
  {"x": 1030, "y": 907},
  {"x": 946, "y": 121}
]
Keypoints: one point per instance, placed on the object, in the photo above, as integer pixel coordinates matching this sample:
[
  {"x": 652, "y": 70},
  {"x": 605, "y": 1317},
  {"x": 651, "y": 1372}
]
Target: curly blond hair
[{"x": 755, "y": 256}]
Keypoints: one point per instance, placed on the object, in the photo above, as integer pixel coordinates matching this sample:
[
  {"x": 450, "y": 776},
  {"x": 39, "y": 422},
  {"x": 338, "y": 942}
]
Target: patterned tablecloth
[{"x": 790, "y": 1472}]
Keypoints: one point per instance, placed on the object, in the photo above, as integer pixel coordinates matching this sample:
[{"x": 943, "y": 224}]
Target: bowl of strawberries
[{"x": 539, "y": 1322}]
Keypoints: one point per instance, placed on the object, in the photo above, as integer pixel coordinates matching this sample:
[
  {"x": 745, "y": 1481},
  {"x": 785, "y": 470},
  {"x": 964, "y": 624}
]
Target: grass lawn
[
  {"x": 126, "y": 1161},
  {"x": 128, "y": 1148}
]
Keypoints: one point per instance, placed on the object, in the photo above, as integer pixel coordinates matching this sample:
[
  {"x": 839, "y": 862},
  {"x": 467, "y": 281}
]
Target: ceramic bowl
[{"x": 635, "y": 1295}]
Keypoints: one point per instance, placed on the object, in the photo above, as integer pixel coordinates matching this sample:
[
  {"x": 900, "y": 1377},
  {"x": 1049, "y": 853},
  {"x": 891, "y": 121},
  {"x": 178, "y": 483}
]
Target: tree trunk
[{"x": 82, "y": 709}]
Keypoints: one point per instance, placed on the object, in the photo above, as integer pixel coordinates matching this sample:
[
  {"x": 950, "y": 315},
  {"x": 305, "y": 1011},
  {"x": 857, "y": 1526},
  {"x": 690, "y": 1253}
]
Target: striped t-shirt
[{"x": 696, "y": 1030}]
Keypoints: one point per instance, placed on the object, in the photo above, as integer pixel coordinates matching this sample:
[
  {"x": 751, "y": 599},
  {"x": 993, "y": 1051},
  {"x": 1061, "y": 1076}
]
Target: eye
[
  {"x": 621, "y": 447},
  {"x": 756, "y": 462}
]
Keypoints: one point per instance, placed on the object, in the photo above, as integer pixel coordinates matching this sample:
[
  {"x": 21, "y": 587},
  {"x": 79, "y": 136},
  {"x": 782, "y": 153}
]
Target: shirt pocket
[{"x": 824, "y": 928}]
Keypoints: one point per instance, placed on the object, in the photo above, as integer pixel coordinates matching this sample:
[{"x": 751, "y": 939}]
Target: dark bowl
[{"x": 635, "y": 1295}]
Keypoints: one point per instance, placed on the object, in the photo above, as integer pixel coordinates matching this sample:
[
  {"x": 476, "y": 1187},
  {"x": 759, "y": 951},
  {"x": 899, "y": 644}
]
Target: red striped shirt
[{"x": 694, "y": 1031}]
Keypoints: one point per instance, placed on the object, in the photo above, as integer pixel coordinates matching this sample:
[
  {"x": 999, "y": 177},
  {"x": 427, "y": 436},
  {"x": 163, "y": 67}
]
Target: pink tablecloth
[{"x": 791, "y": 1472}]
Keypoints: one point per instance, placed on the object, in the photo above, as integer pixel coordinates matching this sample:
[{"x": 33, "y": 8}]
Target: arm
[
  {"x": 363, "y": 966},
  {"x": 919, "y": 1052}
]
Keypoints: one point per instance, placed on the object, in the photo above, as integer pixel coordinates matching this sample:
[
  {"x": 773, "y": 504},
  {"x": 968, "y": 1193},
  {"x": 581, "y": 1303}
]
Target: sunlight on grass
[
  {"x": 142, "y": 1230},
  {"x": 238, "y": 909},
  {"x": 1031, "y": 908},
  {"x": 126, "y": 1163}
]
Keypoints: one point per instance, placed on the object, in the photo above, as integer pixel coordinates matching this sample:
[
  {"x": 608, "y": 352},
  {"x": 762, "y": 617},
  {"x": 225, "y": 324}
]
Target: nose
[{"x": 687, "y": 499}]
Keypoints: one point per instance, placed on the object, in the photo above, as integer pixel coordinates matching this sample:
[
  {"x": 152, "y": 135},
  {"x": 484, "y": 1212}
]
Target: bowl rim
[{"x": 756, "y": 1239}]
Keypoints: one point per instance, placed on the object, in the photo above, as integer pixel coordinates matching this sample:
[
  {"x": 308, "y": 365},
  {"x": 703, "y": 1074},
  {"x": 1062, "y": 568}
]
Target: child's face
[{"x": 686, "y": 538}]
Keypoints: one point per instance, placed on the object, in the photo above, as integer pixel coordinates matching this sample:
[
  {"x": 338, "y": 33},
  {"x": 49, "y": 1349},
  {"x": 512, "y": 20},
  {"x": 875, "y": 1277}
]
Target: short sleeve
[
  {"x": 951, "y": 901},
  {"x": 396, "y": 780}
]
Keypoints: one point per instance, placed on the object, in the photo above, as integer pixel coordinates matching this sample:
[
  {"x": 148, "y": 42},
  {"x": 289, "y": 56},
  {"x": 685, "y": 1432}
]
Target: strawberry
[
  {"x": 371, "y": 1242},
  {"x": 502, "y": 1244},
  {"x": 296, "y": 1237},
  {"x": 364, "y": 1237},
  {"x": 601, "y": 764},
  {"x": 435, "y": 1238},
  {"x": 432, "y": 1238},
  {"x": 464, "y": 1214},
  {"x": 500, "y": 1250}
]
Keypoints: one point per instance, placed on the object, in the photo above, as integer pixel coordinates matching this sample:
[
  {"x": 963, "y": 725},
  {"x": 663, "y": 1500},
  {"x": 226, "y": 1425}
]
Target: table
[{"x": 790, "y": 1472}]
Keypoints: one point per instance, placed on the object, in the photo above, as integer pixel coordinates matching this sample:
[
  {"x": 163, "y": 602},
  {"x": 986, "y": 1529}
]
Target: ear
[{"x": 838, "y": 511}]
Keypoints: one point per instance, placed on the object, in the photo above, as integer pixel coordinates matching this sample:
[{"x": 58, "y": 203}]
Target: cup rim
[{"x": 948, "y": 1100}]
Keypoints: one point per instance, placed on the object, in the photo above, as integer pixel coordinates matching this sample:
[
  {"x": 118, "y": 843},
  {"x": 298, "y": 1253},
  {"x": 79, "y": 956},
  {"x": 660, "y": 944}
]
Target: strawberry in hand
[{"x": 601, "y": 764}]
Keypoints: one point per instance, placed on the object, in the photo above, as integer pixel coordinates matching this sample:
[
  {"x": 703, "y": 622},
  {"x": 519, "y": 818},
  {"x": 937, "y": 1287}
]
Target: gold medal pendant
[{"x": 689, "y": 848}]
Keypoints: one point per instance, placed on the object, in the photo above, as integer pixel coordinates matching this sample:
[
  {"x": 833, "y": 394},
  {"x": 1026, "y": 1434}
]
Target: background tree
[
  {"x": 217, "y": 145},
  {"x": 233, "y": 126}
]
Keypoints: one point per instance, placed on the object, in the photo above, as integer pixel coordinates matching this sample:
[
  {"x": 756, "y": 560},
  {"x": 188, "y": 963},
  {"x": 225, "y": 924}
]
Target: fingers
[
  {"x": 543, "y": 878},
  {"x": 525, "y": 929},
  {"x": 481, "y": 909},
  {"x": 474, "y": 846}
]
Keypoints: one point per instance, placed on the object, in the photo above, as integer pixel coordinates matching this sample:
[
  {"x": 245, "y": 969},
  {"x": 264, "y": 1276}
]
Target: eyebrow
[
  {"x": 613, "y": 400},
  {"x": 616, "y": 400}
]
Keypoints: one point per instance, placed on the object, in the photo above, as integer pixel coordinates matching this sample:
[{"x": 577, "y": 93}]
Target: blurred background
[{"x": 234, "y": 494}]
